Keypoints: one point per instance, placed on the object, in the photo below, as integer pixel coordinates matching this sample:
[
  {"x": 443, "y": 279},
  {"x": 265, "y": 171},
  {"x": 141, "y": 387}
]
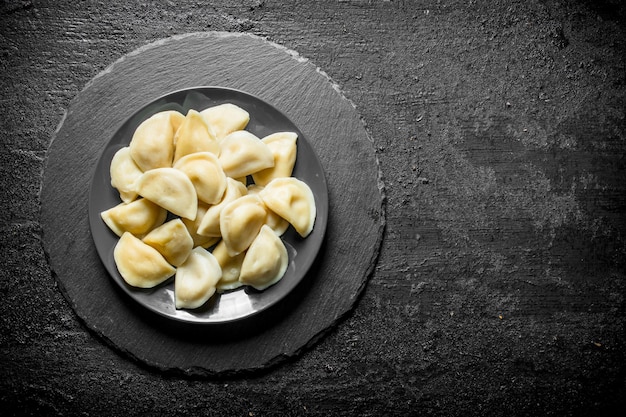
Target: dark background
[{"x": 499, "y": 290}]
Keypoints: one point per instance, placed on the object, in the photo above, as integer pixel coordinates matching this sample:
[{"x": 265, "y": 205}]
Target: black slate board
[{"x": 329, "y": 121}]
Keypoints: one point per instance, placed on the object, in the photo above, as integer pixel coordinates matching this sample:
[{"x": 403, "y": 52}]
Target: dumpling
[
  {"x": 195, "y": 280},
  {"x": 170, "y": 189},
  {"x": 231, "y": 267},
  {"x": 266, "y": 260},
  {"x": 140, "y": 264},
  {"x": 240, "y": 222},
  {"x": 172, "y": 240},
  {"x": 242, "y": 153},
  {"x": 210, "y": 223},
  {"x": 176, "y": 119},
  {"x": 152, "y": 144},
  {"x": 206, "y": 174},
  {"x": 193, "y": 136},
  {"x": 192, "y": 228},
  {"x": 225, "y": 118},
  {"x": 284, "y": 148},
  {"x": 137, "y": 217},
  {"x": 292, "y": 200},
  {"x": 124, "y": 173},
  {"x": 273, "y": 220}
]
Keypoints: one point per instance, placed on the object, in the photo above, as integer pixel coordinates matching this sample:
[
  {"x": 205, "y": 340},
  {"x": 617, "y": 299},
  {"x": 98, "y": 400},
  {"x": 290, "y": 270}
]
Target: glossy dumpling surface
[
  {"x": 137, "y": 217},
  {"x": 192, "y": 228},
  {"x": 140, "y": 264},
  {"x": 273, "y": 220},
  {"x": 225, "y": 118},
  {"x": 292, "y": 200},
  {"x": 176, "y": 119},
  {"x": 193, "y": 136},
  {"x": 284, "y": 148},
  {"x": 266, "y": 260},
  {"x": 172, "y": 240},
  {"x": 196, "y": 279},
  {"x": 152, "y": 144},
  {"x": 206, "y": 174},
  {"x": 240, "y": 222},
  {"x": 124, "y": 173},
  {"x": 242, "y": 153},
  {"x": 231, "y": 267},
  {"x": 170, "y": 189},
  {"x": 210, "y": 222}
]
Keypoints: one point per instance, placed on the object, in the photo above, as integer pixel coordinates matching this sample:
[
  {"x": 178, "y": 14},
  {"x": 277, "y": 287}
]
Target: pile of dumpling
[{"x": 206, "y": 201}]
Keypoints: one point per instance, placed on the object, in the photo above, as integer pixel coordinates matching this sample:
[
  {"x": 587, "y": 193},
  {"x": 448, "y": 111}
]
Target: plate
[{"x": 243, "y": 302}]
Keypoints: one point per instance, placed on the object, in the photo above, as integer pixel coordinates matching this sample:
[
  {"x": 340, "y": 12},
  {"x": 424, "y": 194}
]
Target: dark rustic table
[{"x": 498, "y": 285}]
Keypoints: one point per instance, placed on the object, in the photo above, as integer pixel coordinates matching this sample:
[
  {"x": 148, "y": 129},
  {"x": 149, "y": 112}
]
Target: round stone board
[{"x": 326, "y": 118}]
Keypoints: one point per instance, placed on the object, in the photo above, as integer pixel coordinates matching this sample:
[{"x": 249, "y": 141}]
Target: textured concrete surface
[{"x": 500, "y": 127}]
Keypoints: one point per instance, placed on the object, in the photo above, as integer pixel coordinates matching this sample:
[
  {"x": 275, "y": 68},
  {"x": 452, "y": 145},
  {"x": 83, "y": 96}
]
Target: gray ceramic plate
[{"x": 243, "y": 302}]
